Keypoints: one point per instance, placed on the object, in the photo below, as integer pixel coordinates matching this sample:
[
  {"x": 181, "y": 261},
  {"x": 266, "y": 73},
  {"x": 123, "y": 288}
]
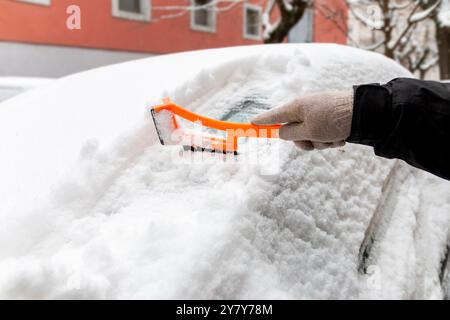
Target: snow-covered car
[
  {"x": 12, "y": 86},
  {"x": 94, "y": 207}
]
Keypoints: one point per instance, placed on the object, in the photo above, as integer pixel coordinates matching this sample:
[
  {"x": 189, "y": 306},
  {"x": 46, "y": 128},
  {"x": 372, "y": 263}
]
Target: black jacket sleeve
[{"x": 406, "y": 119}]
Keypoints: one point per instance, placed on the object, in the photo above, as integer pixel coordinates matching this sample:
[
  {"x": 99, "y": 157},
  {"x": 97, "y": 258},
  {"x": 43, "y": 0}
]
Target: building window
[
  {"x": 252, "y": 21},
  {"x": 41, "y": 2},
  {"x": 303, "y": 31},
  {"x": 139, "y": 10},
  {"x": 203, "y": 15}
]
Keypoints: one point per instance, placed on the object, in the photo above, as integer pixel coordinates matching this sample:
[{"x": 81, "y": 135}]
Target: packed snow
[
  {"x": 12, "y": 86},
  {"x": 94, "y": 207}
]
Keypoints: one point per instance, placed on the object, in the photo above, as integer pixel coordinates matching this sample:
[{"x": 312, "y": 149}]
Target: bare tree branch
[
  {"x": 397, "y": 33},
  {"x": 337, "y": 19},
  {"x": 290, "y": 16}
]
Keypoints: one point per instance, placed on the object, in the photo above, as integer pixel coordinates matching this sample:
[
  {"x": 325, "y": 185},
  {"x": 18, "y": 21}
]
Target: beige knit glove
[{"x": 315, "y": 121}]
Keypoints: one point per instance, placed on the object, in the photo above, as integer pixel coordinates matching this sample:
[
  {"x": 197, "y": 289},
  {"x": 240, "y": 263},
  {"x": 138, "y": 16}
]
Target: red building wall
[
  {"x": 30, "y": 23},
  {"x": 330, "y": 21},
  {"x": 25, "y": 22}
]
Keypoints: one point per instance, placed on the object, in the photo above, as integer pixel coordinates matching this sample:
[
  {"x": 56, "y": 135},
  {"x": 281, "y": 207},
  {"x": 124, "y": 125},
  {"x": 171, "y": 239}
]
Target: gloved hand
[{"x": 315, "y": 121}]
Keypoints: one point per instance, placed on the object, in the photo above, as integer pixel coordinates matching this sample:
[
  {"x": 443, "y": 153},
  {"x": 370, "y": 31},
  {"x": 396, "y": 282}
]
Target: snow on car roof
[
  {"x": 12, "y": 86},
  {"x": 23, "y": 82},
  {"x": 94, "y": 207}
]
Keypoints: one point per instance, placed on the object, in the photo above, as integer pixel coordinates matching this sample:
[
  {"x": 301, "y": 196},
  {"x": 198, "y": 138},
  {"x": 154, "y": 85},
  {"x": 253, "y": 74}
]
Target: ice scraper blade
[{"x": 170, "y": 132}]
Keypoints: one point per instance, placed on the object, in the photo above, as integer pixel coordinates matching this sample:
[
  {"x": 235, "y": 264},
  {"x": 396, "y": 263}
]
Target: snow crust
[
  {"x": 94, "y": 207},
  {"x": 11, "y": 86},
  {"x": 23, "y": 82}
]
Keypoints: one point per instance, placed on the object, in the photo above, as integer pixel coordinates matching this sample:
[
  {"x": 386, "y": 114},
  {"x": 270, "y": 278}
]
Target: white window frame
[
  {"x": 255, "y": 7},
  {"x": 144, "y": 16},
  {"x": 197, "y": 27},
  {"x": 38, "y": 2}
]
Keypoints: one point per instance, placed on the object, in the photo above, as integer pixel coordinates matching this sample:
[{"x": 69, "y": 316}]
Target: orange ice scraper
[{"x": 170, "y": 131}]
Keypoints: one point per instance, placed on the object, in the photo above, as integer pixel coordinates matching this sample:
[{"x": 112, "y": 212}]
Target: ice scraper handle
[{"x": 238, "y": 130}]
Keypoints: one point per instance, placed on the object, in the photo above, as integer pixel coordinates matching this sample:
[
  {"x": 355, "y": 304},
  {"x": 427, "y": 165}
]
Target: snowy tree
[
  {"x": 402, "y": 30},
  {"x": 291, "y": 11},
  {"x": 278, "y": 16},
  {"x": 442, "y": 25}
]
